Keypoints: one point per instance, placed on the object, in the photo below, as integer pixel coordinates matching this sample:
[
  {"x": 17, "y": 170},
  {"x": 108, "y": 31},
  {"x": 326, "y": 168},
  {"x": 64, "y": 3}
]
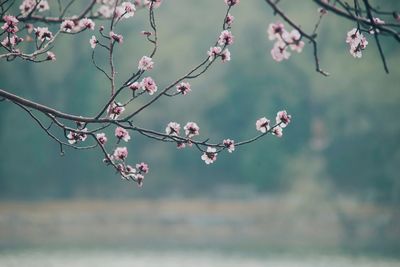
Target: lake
[{"x": 175, "y": 258}]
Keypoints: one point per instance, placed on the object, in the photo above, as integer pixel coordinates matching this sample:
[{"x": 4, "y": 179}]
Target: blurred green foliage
[{"x": 345, "y": 130}]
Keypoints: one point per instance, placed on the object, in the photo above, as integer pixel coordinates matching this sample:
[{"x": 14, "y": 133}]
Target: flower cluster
[
  {"x": 357, "y": 42},
  {"x": 282, "y": 120},
  {"x": 283, "y": 41},
  {"x": 147, "y": 84},
  {"x": 11, "y": 42},
  {"x": 10, "y": 24},
  {"x": 226, "y": 38},
  {"x": 29, "y": 6},
  {"x": 74, "y": 137},
  {"x": 123, "y": 11},
  {"x": 77, "y": 25},
  {"x": 43, "y": 33},
  {"x": 119, "y": 156},
  {"x": 137, "y": 174},
  {"x": 11, "y": 27},
  {"x": 192, "y": 129}
]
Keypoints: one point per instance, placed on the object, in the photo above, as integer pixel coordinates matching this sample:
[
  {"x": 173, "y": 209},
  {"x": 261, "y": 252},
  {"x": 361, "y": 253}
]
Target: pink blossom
[
  {"x": 74, "y": 137},
  {"x": 191, "y": 129},
  {"x": 139, "y": 179},
  {"x": 355, "y": 52},
  {"x": 229, "y": 20},
  {"x": 119, "y": 11},
  {"x": 128, "y": 6},
  {"x": 130, "y": 169},
  {"x": 105, "y": 11},
  {"x": 357, "y": 42},
  {"x": 121, "y": 153},
  {"x": 93, "y": 42},
  {"x": 322, "y": 11},
  {"x": 378, "y": 21},
  {"x": 153, "y": 3},
  {"x": 263, "y": 125},
  {"x": 10, "y": 24},
  {"x": 283, "y": 118},
  {"x": 210, "y": 155},
  {"x": 29, "y": 27},
  {"x": 7, "y": 42},
  {"x": 126, "y": 10},
  {"x": 12, "y": 41},
  {"x": 43, "y": 6},
  {"x": 226, "y": 55},
  {"x": 279, "y": 51},
  {"x": 214, "y": 52},
  {"x": 183, "y": 88},
  {"x": 146, "y": 63},
  {"x": 117, "y": 37},
  {"x": 229, "y": 144},
  {"x": 51, "y": 56},
  {"x": 294, "y": 40},
  {"x": 86, "y": 23},
  {"x": 27, "y": 6},
  {"x": 232, "y": 2},
  {"x": 275, "y": 31},
  {"x": 226, "y": 38},
  {"x": 122, "y": 133},
  {"x": 43, "y": 33},
  {"x": 102, "y": 138},
  {"x": 173, "y": 128},
  {"x": 142, "y": 167},
  {"x": 277, "y": 131},
  {"x": 135, "y": 86},
  {"x": 149, "y": 85},
  {"x": 121, "y": 169},
  {"x": 180, "y": 145},
  {"x": 114, "y": 110},
  {"x": 352, "y": 36},
  {"x": 67, "y": 25}
]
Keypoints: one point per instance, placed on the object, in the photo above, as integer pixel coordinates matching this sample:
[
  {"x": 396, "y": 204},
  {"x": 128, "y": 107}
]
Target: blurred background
[{"x": 326, "y": 194}]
